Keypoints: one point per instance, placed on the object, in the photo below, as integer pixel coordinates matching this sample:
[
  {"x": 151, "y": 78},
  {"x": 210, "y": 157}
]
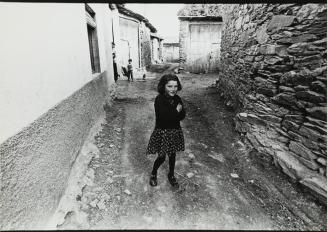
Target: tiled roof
[
  {"x": 123, "y": 10},
  {"x": 156, "y": 36}
]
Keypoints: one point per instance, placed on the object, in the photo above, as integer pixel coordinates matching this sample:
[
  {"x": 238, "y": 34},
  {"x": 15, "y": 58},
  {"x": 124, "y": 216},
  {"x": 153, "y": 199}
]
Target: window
[{"x": 93, "y": 38}]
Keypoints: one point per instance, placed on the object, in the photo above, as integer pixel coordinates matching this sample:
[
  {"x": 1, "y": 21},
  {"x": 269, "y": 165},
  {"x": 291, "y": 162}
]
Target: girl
[{"x": 167, "y": 137}]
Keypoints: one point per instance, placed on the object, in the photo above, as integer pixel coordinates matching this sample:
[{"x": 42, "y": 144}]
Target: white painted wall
[
  {"x": 171, "y": 53},
  {"x": 44, "y": 58},
  {"x": 155, "y": 47},
  {"x": 116, "y": 31},
  {"x": 129, "y": 31},
  {"x": 104, "y": 19}
]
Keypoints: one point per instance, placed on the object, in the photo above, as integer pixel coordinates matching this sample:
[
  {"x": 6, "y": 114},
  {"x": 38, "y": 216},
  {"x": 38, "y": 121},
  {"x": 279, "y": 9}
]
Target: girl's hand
[{"x": 179, "y": 107}]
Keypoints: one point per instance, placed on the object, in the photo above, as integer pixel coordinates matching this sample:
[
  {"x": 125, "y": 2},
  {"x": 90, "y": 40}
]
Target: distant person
[
  {"x": 130, "y": 70},
  {"x": 116, "y": 75},
  {"x": 167, "y": 137}
]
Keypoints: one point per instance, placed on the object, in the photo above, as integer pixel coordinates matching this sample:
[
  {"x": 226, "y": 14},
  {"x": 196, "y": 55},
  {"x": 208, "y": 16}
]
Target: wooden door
[{"x": 204, "y": 47}]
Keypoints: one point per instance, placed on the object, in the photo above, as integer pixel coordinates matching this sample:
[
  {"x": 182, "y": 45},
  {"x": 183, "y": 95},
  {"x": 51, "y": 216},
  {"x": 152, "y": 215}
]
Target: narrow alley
[
  {"x": 77, "y": 113},
  {"x": 222, "y": 184}
]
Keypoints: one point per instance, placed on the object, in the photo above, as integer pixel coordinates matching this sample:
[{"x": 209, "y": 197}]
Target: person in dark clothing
[
  {"x": 167, "y": 137},
  {"x": 130, "y": 70},
  {"x": 116, "y": 75}
]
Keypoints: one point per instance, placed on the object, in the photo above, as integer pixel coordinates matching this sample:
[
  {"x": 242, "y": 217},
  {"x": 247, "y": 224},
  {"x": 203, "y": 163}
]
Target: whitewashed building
[
  {"x": 132, "y": 38},
  {"x": 56, "y": 71}
]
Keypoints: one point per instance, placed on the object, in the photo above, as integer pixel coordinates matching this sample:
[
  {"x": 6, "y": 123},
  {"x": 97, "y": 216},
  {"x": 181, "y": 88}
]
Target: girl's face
[{"x": 171, "y": 88}]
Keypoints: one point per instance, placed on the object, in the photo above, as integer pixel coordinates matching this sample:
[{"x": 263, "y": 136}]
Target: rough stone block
[
  {"x": 254, "y": 142},
  {"x": 270, "y": 92},
  {"x": 322, "y": 42},
  {"x": 261, "y": 35},
  {"x": 281, "y": 50},
  {"x": 304, "y": 38},
  {"x": 294, "y": 136},
  {"x": 253, "y": 50},
  {"x": 299, "y": 88},
  {"x": 298, "y": 118},
  {"x": 318, "y": 184},
  {"x": 317, "y": 122},
  {"x": 310, "y": 96},
  {"x": 288, "y": 77},
  {"x": 286, "y": 89},
  {"x": 285, "y": 99},
  {"x": 297, "y": 48},
  {"x": 270, "y": 118},
  {"x": 322, "y": 161},
  {"x": 304, "y": 77},
  {"x": 305, "y": 11},
  {"x": 249, "y": 58},
  {"x": 279, "y": 21},
  {"x": 283, "y": 40},
  {"x": 291, "y": 165},
  {"x": 309, "y": 59},
  {"x": 319, "y": 87},
  {"x": 301, "y": 150},
  {"x": 312, "y": 135},
  {"x": 253, "y": 119},
  {"x": 322, "y": 171},
  {"x": 272, "y": 60},
  {"x": 289, "y": 125},
  {"x": 321, "y": 129},
  {"x": 311, "y": 164},
  {"x": 268, "y": 49},
  {"x": 241, "y": 126},
  {"x": 279, "y": 67}
]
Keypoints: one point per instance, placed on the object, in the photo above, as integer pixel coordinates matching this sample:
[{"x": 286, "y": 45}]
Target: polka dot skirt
[{"x": 166, "y": 141}]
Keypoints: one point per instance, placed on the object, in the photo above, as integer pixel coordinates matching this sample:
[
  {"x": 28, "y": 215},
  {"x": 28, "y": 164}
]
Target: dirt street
[{"x": 222, "y": 185}]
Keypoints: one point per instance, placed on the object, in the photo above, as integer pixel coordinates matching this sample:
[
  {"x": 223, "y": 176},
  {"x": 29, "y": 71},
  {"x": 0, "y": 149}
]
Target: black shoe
[
  {"x": 153, "y": 180},
  {"x": 173, "y": 181}
]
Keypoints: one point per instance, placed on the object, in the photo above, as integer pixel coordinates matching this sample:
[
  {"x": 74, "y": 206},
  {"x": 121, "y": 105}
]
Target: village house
[
  {"x": 56, "y": 70},
  {"x": 132, "y": 39},
  {"x": 171, "y": 50},
  {"x": 199, "y": 39}
]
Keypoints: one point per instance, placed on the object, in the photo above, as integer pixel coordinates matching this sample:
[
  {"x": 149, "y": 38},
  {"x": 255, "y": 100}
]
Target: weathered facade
[
  {"x": 133, "y": 39},
  {"x": 146, "y": 51},
  {"x": 171, "y": 52},
  {"x": 156, "y": 42},
  {"x": 274, "y": 70},
  {"x": 199, "y": 39},
  {"x": 171, "y": 49},
  {"x": 53, "y": 86}
]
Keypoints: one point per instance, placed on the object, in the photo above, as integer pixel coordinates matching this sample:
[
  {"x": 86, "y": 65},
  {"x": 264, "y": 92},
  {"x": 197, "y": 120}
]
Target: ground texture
[{"x": 223, "y": 185}]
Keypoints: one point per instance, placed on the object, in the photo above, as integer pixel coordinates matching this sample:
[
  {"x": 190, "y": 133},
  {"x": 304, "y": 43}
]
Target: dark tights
[{"x": 160, "y": 160}]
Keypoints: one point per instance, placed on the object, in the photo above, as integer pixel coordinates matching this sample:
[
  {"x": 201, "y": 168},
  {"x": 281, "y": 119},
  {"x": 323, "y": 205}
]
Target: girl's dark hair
[{"x": 165, "y": 79}]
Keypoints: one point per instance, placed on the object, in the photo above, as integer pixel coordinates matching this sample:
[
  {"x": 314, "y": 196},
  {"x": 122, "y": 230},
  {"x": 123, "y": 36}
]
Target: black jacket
[{"x": 167, "y": 117}]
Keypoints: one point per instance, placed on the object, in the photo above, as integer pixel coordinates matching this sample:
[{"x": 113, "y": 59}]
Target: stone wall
[
  {"x": 145, "y": 45},
  {"x": 183, "y": 33},
  {"x": 36, "y": 163},
  {"x": 274, "y": 71}
]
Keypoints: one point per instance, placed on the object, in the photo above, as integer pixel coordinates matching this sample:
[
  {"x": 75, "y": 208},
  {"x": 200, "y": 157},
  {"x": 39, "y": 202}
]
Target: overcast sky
[{"x": 161, "y": 16}]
